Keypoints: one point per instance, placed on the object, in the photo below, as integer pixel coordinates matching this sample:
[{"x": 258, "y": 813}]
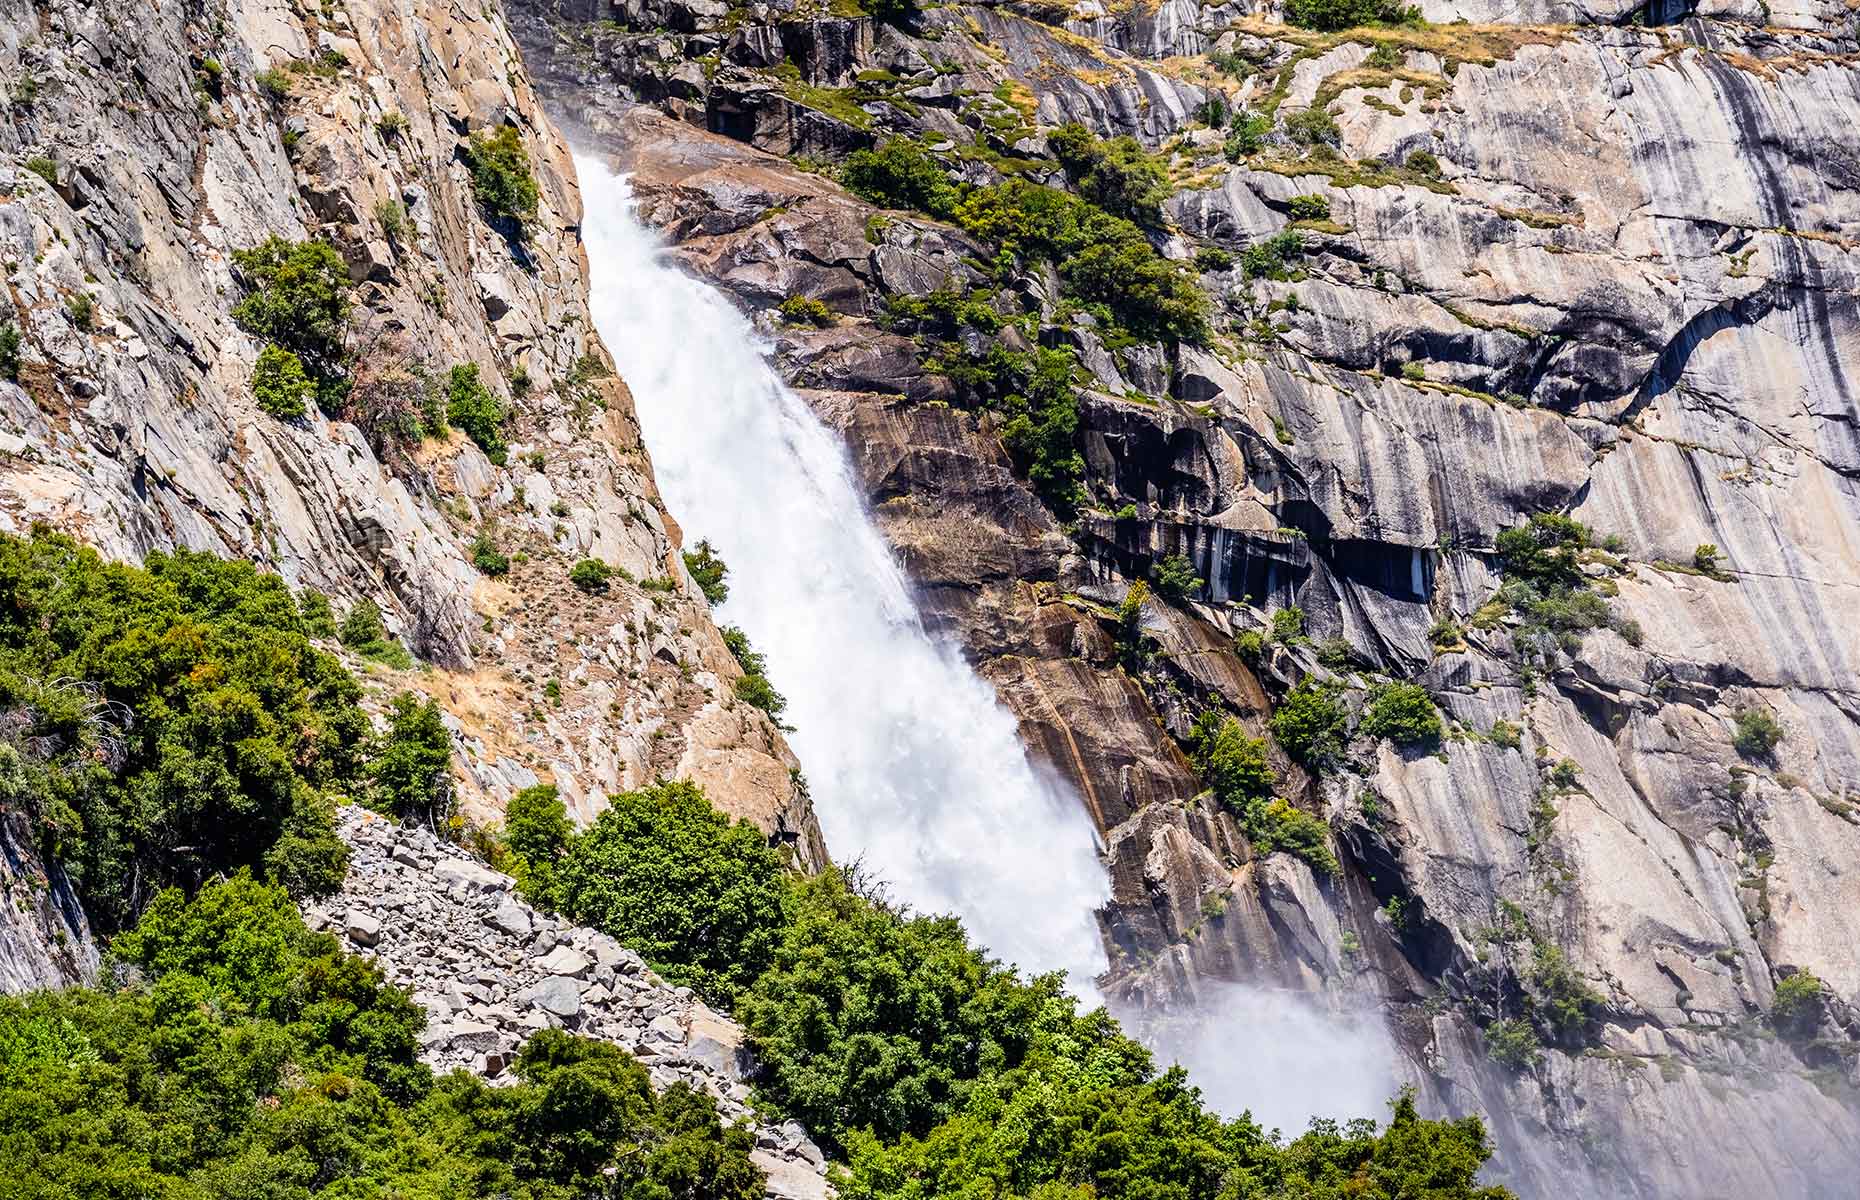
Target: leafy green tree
[
  {"x": 538, "y": 832},
  {"x": 1311, "y": 722},
  {"x": 1329, "y": 16},
  {"x": 9, "y": 352},
  {"x": 1175, "y": 577},
  {"x": 1231, "y": 763},
  {"x": 298, "y": 302},
  {"x": 1401, "y": 712},
  {"x": 260, "y": 1061},
  {"x": 501, "y": 179},
  {"x": 318, "y": 618},
  {"x": 701, "y": 897},
  {"x": 474, "y": 408},
  {"x": 412, "y": 768},
  {"x": 1797, "y": 1006},
  {"x": 279, "y": 384},
  {"x": 1543, "y": 551},
  {"x": 900, "y": 174},
  {"x": 1042, "y": 429},
  {"x": 708, "y": 569},
  {"x": 1118, "y": 174}
]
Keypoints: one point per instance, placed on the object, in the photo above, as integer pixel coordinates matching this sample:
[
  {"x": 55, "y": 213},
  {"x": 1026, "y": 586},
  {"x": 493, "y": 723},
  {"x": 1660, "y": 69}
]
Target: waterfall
[{"x": 915, "y": 767}]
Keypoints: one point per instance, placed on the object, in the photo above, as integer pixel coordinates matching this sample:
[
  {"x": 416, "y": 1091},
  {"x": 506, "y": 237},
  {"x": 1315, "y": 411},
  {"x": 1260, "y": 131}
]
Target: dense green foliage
[
  {"x": 1311, "y": 722},
  {"x": 263, "y": 1062},
  {"x": 708, "y": 570},
  {"x": 474, "y": 408},
  {"x": 1544, "y": 550},
  {"x": 1103, "y": 257},
  {"x": 1513, "y": 1042},
  {"x": 934, "y": 1069},
  {"x": 1329, "y": 16},
  {"x": 753, "y": 687},
  {"x": 365, "y": 632},
  {"x": 1401, "y": 712},
  {"x": 279, "y": 384},
  {"x": 487, "y": 557},
  {"x": 1232, "y": 764},
  {"x": 1796, "y": 1009},
  {"x": 501, "y": 181},
  {"x": 1115, "y": 174},
  {"x": 591, "y": 575},
  {"x": 699, "y": 896},
  {"x": 174, "y": 721},
  {"x": 1757, "y": 734},
  {"x": 412, "y": 770},
  {"x": 805, "y": 310},
  {"x": 1175, "y": 579},
  {"x": 298, "y": 303},
  {"x": 900, "y": 174}
]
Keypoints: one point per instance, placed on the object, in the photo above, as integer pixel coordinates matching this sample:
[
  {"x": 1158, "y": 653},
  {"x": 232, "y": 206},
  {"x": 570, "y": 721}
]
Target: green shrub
[
  {"x": 1758, "y": 733},
  {"x": 753, "y": 687},
  {"x": 1101, "y": 258},
  {"x": 318, "y": 618},
  {"x": 1312, "y": 127},
  {"x": 1250, "y": 645},
  {"x": 364, "y": 632},
  {"x": 1211, "y": 259},
  {"x": 1308, "y": 208},
  {"x": 1246, "y": 134},
  {"x": 899, "y": 174},
  {"x": 241, "y": 728},
  {"x": 299, "y": 302},
  {"x": 487, "y": 557},
  {"x": 1513, "y": 1043},
  {"x": 1282, "y": 826},
  {"x": 1706, "y": 558},
  {"x": 702, "y": 898},
  {"x": 1506, "y": 735},
  {"x": 1117, "y": 174},
  {"x": 1329, "y": 16},
  {"x": 1561, "y": 995},
  {"x": 82, "y": 310},
  {"x": 1423, "y": 163},
  {"x": 9, "y": 352},
  {"x": 279, "y": 384},
  {"x": 591, "y": 575},
  {"x": 1311, "y": 722},
  {"x": 805, "y": 310},
  {"x": 708, "y": 570},
  {"x": 475, "y": 409},
  {"x": 1269, "y": 259},
  {"x": 1336, "y": 654},
  {"x": 909, "y": 1052},
  {"x": 1544, "y": 551},
  {"x": 1175, "y": 579},
  {"x": 1796, "y": 1008},
  {"x": 1230, "y": 763},
  {"x": 1403, "y": 713},
  {"x": 501, "y": 181},
  {"x": 391, "y": 126},
  {"x": 412, "y": 767},
  {"x": 1288, "y": 624},
  {"x": 536, "y": 824},
  {"x": 44, "y": 168},
  {"x": 391, "y": 215},
  {"x": 1041, "y": 431},
  {"x": 1384, "y": 56}
]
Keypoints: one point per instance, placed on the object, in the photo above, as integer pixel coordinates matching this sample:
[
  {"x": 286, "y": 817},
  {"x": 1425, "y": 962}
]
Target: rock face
[
  {"x": 148, "y": 142},
  {"x": 45, "y": 941},
  {"x": 1602, "y": 271},
  {"x": 438, "y": 923}
]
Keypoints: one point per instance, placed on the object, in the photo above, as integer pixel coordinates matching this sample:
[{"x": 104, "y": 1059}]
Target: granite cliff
[{"x": 1600, "y": 270}]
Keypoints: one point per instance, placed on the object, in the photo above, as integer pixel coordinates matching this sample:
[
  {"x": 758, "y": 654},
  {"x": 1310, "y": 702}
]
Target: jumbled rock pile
[{"x": 490, "y": 970}]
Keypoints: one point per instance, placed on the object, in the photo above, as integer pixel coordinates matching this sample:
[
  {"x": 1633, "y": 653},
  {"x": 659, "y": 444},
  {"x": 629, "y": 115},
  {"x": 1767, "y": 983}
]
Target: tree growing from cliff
[
  {"x": 900, "y": 174},
  {"x": 501, "y": 179},
  {"x": 1116, "y": 174},
  {"x": 1311, "y": 722},
  {"x": 1401, "y": 712},
  {"x": 1757, "y": 733},
  {"x": 474, "y": 408},
  {"x": 709, "y": 571},
  {"x": 412, "y": 766},
  {"x": 298, "y": 302}
]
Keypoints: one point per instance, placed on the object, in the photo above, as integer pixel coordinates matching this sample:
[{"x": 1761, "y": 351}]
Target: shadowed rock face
[{"x": 1626, "y": 291}]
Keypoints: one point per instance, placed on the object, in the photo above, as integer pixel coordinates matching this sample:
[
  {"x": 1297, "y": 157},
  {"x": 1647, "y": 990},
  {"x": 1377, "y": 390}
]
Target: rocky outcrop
[
  {"x": 149, "y": 142},
  {"x": 45, "y": 940},
  {"x": 490, "y": 970},
  {"x": 1596, "y": 270}
]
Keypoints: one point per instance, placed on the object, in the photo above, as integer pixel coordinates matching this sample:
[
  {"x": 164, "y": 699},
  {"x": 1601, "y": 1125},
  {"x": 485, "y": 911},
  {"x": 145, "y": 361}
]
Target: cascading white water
[{"x": 915, "y": 766}]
